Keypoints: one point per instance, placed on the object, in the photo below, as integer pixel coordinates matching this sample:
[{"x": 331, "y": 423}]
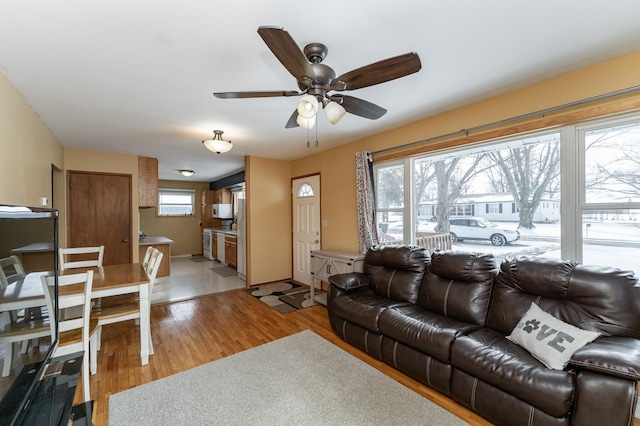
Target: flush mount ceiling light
[
  {"x": 216, "y": 144},
  {"x": 186, "y": 173}
]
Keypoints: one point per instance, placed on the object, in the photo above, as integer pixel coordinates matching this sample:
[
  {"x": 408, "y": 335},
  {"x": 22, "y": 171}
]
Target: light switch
[{"x": 325, "y": 223}]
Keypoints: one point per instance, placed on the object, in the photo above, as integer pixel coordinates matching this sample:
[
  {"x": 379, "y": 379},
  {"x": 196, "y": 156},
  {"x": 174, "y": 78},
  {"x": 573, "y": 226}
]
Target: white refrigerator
[{"x": 241, "y": 227}]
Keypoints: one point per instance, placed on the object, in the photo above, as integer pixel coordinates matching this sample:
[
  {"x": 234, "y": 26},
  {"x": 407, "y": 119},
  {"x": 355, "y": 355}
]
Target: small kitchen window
[{"x": 176, "y": 202}]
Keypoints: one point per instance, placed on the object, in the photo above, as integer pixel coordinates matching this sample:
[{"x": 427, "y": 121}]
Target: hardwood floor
[{"x": 191, "y": 333}]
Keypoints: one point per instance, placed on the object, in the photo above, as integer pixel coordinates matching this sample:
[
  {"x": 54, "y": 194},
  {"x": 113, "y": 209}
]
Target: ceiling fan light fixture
[
  {"x": 334, "y": 112},
  {"x": 185, "y": 172},
  {"x": 217, "y": 144},
  {"x": 308, "y": 106},
  {"x": 307, "y": 123}
]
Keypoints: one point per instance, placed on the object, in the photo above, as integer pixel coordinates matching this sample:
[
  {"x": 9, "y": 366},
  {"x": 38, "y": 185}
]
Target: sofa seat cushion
[
  {"x": 489, "y": 356},
  {"x": 428, "y": 332},
  {"x": 363, "y": 307}
]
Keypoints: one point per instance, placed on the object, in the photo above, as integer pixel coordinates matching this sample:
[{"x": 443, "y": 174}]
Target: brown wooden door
[{"x": 99, "y": 213}]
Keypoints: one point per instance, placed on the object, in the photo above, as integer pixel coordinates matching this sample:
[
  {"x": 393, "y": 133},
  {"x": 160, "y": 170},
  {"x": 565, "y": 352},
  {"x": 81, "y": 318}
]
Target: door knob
[{"x": 125, "y": 240}]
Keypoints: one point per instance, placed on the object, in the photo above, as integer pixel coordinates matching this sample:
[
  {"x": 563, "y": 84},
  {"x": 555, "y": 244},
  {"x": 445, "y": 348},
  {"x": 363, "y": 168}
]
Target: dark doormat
[
  {"x": 199, "y": 258},
  {"x": 283, "y": 297},
  {"x": 224, "y": 271}
]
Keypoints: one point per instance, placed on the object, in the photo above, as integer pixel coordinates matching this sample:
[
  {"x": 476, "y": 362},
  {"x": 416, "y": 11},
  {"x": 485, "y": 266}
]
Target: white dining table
[{"x": 110, "y": 280}]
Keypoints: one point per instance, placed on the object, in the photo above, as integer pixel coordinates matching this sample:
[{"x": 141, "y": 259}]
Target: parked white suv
[{"x": 478, "y": 228}]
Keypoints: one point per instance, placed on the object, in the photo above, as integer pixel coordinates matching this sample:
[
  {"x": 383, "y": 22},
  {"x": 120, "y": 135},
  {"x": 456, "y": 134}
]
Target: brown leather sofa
[{"x": 443, "y": 320}]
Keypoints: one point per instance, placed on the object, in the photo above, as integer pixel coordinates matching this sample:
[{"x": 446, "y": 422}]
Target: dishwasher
[{"x": 206, "y": 243}]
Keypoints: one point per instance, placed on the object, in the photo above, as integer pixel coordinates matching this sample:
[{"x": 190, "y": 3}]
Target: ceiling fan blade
[
  {"x": 292, "y": 120},
  {"x": 237, "y": 95},
  {"x": 378, "y": 72},
  {"x": 359, "y": 107},
  {"x": 288, "y": 53}
]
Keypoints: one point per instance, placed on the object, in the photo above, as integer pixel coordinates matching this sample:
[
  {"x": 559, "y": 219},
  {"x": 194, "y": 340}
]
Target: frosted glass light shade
[
  {"x": 334, "y": 112},
  {"x": 307, "y": 123},
  {"x": 308, "y": 106},
  {"x": 217, "y": 144}
]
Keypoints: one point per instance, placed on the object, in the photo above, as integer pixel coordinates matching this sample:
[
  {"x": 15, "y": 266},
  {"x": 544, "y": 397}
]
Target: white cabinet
[{"x": 325, "y": 263}]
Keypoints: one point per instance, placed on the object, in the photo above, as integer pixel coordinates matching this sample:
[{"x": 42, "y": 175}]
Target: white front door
[{"x": 306, "y": 225}]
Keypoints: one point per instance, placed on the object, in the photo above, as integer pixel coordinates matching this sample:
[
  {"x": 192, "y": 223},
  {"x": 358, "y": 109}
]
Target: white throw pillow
[{"x": 548, "y": 339}]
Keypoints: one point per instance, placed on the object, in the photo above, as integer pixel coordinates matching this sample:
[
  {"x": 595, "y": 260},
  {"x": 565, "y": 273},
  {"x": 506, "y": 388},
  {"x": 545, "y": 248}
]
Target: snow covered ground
[{"x": 608, "y": 243}]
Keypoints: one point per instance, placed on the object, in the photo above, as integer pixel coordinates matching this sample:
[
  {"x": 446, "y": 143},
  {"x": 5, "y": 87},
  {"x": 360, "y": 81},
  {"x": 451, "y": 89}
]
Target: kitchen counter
[
  {"x": 164, "y": 245},
  {"x": 36, "y": 257},
  {"x": 225, "y": 231},
  {"x": 152, "y": 241}
]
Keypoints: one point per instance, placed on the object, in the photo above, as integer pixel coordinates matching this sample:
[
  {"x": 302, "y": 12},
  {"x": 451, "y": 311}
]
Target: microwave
[{"x": 222, "y": 211}]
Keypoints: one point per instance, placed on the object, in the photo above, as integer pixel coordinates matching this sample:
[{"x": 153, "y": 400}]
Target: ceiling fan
[{"x": 315, "y": 80}]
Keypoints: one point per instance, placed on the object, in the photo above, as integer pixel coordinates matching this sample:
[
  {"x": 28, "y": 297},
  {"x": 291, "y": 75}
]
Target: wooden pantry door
[{"x": 99, "y": 213}]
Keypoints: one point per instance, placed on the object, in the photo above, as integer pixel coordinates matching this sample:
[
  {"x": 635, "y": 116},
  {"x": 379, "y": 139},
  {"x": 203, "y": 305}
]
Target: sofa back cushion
[
  {"x": 458, "y": 285},
  {"x": 396, "y": 272},
  {"x": 596, "y": 298}
]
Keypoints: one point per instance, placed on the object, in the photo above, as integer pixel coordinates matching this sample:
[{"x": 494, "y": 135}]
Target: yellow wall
[
  {"x": 337, "y": 166},
  {"x": 185, "y": 232},
  {"x": 25, "y": 172},
  {"x": 29, "y": 150},
  {"x": 268, "y": 187}
]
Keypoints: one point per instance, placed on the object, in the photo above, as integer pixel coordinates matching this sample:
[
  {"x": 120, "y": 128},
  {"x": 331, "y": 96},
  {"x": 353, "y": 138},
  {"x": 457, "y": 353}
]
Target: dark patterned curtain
[{"x": 365, "y": 196}]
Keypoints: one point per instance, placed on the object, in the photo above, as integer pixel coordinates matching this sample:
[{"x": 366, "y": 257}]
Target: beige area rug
[{"x": 301, "y": 379}]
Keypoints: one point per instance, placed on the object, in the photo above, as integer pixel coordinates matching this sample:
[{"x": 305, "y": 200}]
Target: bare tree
[
  {"x": 613, "y": 157},
  {"x": 497, "y": 180},
  {"x": 530, "y": 171},
  {"x": 390, "y": 191},
  {"x": 452, "y": 182}
]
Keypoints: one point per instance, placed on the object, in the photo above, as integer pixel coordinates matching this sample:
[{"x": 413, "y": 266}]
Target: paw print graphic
[{"x": 531, "y": 325}]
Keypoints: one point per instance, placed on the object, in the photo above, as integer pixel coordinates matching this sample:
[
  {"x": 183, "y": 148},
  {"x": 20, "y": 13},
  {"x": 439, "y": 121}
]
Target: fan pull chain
[
  {"x": 307, "y": 137},
  {"x": 317, "y": 124}
]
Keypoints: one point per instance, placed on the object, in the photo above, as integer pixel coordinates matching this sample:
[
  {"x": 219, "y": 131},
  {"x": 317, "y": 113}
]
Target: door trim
[{"x": 319, "y": 223}]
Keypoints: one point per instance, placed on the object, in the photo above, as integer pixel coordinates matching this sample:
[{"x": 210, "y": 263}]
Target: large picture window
[{"x": 572, "y": 192}]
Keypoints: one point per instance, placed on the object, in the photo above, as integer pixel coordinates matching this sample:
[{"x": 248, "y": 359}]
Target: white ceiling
[{"x": 138, "y": 76}]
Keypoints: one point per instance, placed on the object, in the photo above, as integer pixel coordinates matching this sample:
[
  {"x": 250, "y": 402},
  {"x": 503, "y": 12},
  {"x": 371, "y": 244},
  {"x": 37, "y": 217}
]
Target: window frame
[
  {"x": 176, "y": 191},
  {"x": 572, "y": 177}
]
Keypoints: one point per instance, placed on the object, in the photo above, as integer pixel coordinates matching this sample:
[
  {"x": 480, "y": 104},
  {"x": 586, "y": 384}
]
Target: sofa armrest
[
  {"x": 349, "y": 281},
  {"x": 616, "y": 356}
]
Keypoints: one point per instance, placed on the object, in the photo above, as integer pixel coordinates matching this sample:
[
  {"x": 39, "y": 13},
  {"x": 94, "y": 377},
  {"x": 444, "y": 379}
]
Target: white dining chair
[
  {"x": 21, "y": 330},
  {"x": 80, "y": 257},
  {"x": 11, "y": 270},
  {"x": 125, "y": 309},
  {"x": 77, "y": 333},
  {"x": 147, "y": 257}
]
